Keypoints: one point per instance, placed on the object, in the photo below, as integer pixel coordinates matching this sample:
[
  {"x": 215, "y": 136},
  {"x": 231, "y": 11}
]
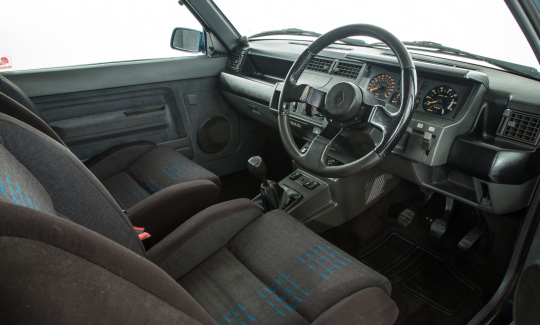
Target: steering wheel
[{"x": 346, "y": 105}]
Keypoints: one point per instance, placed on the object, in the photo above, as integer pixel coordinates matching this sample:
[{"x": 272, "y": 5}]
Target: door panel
[
  {"x": 91, "y": 122},
  {"x": 173, "y": 102}
]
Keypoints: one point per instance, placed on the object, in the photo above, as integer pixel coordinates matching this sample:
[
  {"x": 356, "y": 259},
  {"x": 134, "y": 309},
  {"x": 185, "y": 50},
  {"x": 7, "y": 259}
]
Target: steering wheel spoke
[
  {"x": 305, "y": 94},
  {"x": 381, "y": 119}
]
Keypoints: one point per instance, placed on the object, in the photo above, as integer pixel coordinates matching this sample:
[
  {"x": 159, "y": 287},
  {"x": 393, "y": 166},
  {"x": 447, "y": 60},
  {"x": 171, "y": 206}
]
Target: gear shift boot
[
  {"x": 287, "y": 198},
  {"x": 273, "y": 196}
]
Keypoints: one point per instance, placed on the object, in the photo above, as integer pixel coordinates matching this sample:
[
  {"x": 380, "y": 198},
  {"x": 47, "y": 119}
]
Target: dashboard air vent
[
  {"x": 320, "y": 64},
  {"x": 347, "y": 70},
  {"x": 520, "y": 126},
  {"x": 235, "y": 60}
]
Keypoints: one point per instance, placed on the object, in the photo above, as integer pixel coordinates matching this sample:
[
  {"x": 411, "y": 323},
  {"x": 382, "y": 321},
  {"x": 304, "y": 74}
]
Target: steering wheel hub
[{"x": 343, "y": 101}]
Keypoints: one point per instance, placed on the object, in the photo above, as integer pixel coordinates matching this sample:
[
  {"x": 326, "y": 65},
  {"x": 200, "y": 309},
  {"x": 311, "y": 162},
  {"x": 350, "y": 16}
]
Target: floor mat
[
  {"x": 238, "y": 185},
  {"x": 421, "y": 273}
]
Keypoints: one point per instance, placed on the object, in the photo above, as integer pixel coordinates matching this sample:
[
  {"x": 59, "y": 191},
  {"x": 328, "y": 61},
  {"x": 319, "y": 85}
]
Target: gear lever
[
  {"x": 257, "y": 168},
  {"x": 270, "y": 191},
  {"x": 273, "y": 195}
]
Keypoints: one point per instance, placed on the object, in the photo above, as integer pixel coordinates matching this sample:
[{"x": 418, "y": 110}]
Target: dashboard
[
  {"x": 458, "y": 142},
  {"x": 435, "y": 96}
]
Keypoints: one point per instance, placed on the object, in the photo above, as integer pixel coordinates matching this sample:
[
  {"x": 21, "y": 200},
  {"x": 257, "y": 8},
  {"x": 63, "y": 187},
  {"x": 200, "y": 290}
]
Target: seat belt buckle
[{"x": 143, "y": 236}]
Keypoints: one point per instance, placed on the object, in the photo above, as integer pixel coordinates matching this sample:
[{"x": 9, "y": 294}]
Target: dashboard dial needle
[{"x": 432, "y": 102}]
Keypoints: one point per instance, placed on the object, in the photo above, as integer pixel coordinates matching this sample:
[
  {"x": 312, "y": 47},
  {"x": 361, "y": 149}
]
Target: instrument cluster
[{"x": 436, "y": 97}]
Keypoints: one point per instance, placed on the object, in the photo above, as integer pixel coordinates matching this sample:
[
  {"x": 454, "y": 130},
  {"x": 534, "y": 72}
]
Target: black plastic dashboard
[{"x": 460, "y": 110}]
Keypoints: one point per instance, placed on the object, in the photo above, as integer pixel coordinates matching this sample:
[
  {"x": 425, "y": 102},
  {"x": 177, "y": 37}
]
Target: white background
[
  {"x": 484, "y": 27},
  {"x": 40, "y": 33}
]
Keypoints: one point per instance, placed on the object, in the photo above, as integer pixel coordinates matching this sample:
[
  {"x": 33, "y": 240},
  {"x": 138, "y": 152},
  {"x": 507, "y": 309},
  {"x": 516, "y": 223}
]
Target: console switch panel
[{"x": 304, "y": 180}]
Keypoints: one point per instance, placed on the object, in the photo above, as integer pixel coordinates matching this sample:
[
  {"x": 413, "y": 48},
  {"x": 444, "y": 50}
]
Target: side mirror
[{"x": 188, "y": 40}]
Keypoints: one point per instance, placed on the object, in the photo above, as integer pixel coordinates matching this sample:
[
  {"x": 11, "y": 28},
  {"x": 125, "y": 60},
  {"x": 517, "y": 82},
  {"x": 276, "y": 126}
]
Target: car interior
[{"x": 271, "y": 180}]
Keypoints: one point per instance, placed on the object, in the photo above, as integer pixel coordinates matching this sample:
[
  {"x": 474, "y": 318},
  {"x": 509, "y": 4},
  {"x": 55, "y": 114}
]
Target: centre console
[{"x": 329, "y": 202}]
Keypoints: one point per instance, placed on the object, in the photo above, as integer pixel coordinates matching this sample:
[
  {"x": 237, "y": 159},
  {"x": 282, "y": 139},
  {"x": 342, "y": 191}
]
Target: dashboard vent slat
[
  {"x": 347, "y": 70},
  {"x": 520, "y": 126},
  {"x": 235, "y": 60},
  {"x": 319, "y": 64}
]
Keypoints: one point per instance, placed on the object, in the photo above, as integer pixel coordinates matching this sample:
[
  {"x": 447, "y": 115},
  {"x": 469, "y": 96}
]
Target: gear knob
[{"x": 257, "y": 168}]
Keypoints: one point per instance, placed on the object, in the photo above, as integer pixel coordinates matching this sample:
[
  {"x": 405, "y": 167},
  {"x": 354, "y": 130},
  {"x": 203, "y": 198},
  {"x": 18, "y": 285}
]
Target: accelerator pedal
[{"x": 471, "y": 238}]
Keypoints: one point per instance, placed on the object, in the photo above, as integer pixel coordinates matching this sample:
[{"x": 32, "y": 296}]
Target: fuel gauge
[
  {"x": 396, "y": 98},
  {"x": 440, "y": 100}
]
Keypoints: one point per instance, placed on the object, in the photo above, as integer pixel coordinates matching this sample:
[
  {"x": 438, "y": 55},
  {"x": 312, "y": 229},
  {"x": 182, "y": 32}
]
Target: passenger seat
[{"x": 157, "y": 186}]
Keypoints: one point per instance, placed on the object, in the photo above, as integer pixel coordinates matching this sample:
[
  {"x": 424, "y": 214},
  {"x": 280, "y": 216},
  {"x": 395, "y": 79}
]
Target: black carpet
[
  {"x": 483, "y": 266},
  {"x": 421, "y": 273},
  {"x": 238, "y": 185}
]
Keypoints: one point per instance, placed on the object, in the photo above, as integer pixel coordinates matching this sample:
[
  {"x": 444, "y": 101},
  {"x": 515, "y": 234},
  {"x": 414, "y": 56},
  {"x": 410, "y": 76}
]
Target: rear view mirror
[{"x": 189, "y": 40}]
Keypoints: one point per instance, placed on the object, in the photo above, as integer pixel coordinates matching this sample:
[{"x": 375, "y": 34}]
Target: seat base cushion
[
  {"x": 274, "y": 270},
  {"x": 230, "y": 291},
  {"x": 132, "y": 172},
  {"x": 288, "y": 256}
]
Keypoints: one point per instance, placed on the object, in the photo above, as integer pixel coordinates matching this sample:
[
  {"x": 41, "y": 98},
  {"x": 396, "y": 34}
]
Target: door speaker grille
[{"x": 214, "y": 135}]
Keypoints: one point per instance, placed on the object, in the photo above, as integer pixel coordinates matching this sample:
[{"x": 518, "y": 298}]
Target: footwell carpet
[{"x": 421, "y": 273}]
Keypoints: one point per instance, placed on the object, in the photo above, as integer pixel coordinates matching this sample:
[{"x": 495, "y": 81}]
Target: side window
[{"x": 39, "y": 34}]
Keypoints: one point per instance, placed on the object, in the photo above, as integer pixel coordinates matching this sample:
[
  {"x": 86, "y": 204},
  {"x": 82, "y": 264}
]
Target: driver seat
[{"x": 70, "y": 255}]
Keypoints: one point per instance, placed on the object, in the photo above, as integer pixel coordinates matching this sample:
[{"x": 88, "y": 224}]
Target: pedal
[
  {"x": 406, "y": 217},
  {"x": 471, "y": 238},
  {"x": 438, "y": 228},
  {"x": 440, "y": 225}
]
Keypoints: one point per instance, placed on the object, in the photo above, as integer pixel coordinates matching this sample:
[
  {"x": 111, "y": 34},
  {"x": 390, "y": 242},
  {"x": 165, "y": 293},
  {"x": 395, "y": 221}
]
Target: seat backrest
[
  {"x": 15, "y": 103},
  {"x": 36, "y": 171},
  {"x": 54, "y": 271},
  {"x": 12, "y": 90},
  {"x": 68, "y": 252}
]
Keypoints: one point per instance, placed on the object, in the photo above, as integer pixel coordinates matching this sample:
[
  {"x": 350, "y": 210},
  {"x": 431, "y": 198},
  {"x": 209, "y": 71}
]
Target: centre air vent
[
  {"x": 520, "y": 126},
  {"x": 347, "y": 70},
  {"x": 320, "y": 64}
]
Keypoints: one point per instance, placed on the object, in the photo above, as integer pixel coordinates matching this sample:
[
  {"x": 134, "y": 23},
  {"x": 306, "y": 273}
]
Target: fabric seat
[
  {"x": 70, "y": 255},
  {"x": 270, "y": 269},
  {"x": 134, "y": 171}
]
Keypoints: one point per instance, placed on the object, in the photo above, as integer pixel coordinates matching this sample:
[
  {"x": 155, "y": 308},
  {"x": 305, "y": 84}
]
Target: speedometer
[
  {"x": 440, "y": 100},
  {"x": 381, "y": 86}
]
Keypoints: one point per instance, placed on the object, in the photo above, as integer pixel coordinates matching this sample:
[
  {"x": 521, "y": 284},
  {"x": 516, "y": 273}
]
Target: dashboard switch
[
  {"x": 309, "y": 110},
  {"x": 426, "y": 141},
  {"x": 416, "y": 102},
  {"x": 294, "y": 176},
  {"x": 330, "y": 161},
  {"x": 311, "y": 184}
]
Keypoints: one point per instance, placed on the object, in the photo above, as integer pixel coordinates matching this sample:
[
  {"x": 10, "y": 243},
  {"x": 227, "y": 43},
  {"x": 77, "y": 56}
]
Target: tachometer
[
  {"x": 440, "y": 100},
  {"x": 381, "y": 86}
]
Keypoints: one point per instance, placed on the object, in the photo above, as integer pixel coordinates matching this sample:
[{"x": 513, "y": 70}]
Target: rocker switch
[{"x": 426, "y": 141}]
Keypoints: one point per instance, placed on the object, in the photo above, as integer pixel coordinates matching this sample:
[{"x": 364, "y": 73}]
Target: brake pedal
[
  {"x": 440, "y": 225},
  {"x": 471, "y": 238},
  {"x": 438, "y": 228}
]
